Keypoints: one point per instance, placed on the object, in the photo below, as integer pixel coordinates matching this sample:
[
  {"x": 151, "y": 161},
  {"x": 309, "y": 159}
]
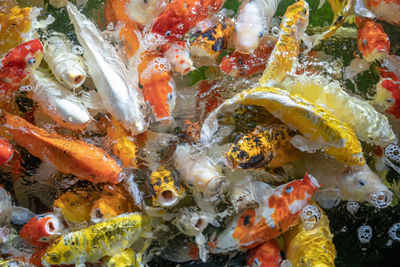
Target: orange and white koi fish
[
  {"x": 18, "y": 64},
  {"x": 268, "y": 254},
  {"x": 244, "y": 65},
  {"x": 42, "y": 229},
  {"x": 281, "y": 61},
  {"x": 179, "y": 56},
  {"x": 214, "y": 40},
  {"x": 372, "y": 41},
  {"x": 278, "y": 210},
  {"x": 388, "y": 93},
  {"x": 182, "y": 15},
  {"x": 6, "y": 151},
  {"x": 143, "y": 11},
  {"x": 387, "y": 10},
  {"x": 67, "y": 154},
  {"x": 155, "y": 78}
]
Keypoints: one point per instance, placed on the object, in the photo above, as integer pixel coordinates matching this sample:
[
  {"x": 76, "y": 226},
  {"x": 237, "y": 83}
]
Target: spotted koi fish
[
  {"x": 67, "y": 154},
  {"x": 18, "y": 64},
  {"x": 42, "y": 229},
  {"x": 182, "y": 15},
  {"x": 6, "y": 151},
  {"x": 155, "y": 78},
  {"x": 387, "y": 10},
  {"x": 266, "y": 145},
  {"x": 166, "y": 191},
  {"x": 372, "y": 41},
  {"x": 275, "y": 214},
  {"x": 293, "y": 26},
  {"x": 94, "y": 242},
  {"x": 268, "y": 254},
  {"x": 214, "y": 40}
]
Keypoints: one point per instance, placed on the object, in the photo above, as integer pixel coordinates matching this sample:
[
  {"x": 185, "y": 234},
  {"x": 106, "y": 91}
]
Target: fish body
[
  {"x": 276, "y": 213},
  {"x": 267, "y": 145},
  {"x": 120, "y": 96},
  {"x": 182, "y": 15},
  {"x": 388, "y": 93},
  {"x": 341, "y": 9},
  {"x": 178, "y": 55},
  {"x": 42, "y": 229},
  {"x": 94, "y": 242},
  {"x": 124, "y": 258},
  {"x": 6, "y": 151},
  {"x": 165, "y": 189},
  {"x": 155, "y": 78},
  {"x": 67, "y": 154},
  {"x": 311, "y": 247},
  {"x": 59, "y": 103},
  {"x": 281, "y": 61},
  {"x": 18, "y": 64},
  {"x": 268, "y": 254},
  {"x": 372, "y": 41},
  {"x": 387, "y": 10},
  {"x": 214, "y": 40},
  {"x": 67, "y": 67}
]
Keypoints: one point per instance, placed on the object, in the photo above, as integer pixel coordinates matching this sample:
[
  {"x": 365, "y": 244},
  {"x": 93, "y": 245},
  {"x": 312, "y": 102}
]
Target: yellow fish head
[{"x": 297, "y": 13}]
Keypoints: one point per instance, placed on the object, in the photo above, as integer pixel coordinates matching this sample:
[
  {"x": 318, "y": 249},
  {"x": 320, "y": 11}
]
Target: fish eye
[
  {"x": 167, "y": 33},
  {"x": 365, "y": 42},
  {"x": 289, "y": 189},
  {"x": 31, "y": 61},
  {"x": 54, "y": 257},
  {"x": 362, "y": 182},
  {"x": 304, "y": 10}
]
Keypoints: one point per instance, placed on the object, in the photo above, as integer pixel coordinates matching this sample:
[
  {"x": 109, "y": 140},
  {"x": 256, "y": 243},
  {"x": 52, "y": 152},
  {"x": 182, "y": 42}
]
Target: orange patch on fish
[
  {"x": 6, "y": 151},
  {"x": 267, "y": 254},
  {"x": 209, "y": 95},
  {"x": 372, "y": 41}
]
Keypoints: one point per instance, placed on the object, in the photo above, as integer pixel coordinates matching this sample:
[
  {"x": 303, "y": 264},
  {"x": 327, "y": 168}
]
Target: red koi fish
[
  {"x": 155, "y": 77},
  {"x": 372, "y": 41},
  {"x": 182, "y": 15},
  {"x": 267, "y": 254},
  {"x": 6, "y": 151},
  {"x": 18, "y": 64},
  {"x": 41, "y": 229},
  {"x": 274, "y": 215},
  {"x": 388, "y": 93},
  {"x": 387, "y": 10}
]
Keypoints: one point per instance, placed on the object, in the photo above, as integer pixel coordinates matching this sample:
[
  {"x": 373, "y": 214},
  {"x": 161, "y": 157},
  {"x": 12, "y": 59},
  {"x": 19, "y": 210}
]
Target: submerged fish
[
  {"x": 267, "y": 145},
  {"x": 268, "y": 254},
  {"x": 94, "y": 242},
  {"x": 143, "y": 11},
  {"x": 372, "y": 41},
  {"x": 293, "y": 26},
  {"x": 67, "y": 154},
  {"x": 341, "y": 9},
  {"x": 18, "y": 64},
  {"x": 182, "y": 15},
  {"x": 387, "y": 10},
  {"x": 388, "y": 93}
]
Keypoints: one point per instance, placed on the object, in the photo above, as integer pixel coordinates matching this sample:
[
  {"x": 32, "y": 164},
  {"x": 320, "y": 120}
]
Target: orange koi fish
[
  {"x": 6, "y": 151},
  {"x": 388, "y": 93},
  {"x": 387, "y": 10},
  {"x": 182, "y": 15},
  {"x": 275, "y": 214},
  {"x": 179, "y": 56},
  {"x": 267, "y": 254},
  {"x": 41, "y": 229},
  {"x": 244, "y": 65},
  {"x": 293, "y": 26},
  {"x": 155, "y": 79},
  {"x": 67, "y": 154},
  {"x": 372, "y": 41},
  {"x": 18, "y": 64}
]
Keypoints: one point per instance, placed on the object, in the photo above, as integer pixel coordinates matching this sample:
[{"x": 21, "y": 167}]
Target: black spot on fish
[
  {"x": 219, "y": 45},
  {"x": 243, "y": 155},
  {"x": 166, "y": 179},
  {"x": 246, "y": 220},
  {"x": 209, "y": 34}
]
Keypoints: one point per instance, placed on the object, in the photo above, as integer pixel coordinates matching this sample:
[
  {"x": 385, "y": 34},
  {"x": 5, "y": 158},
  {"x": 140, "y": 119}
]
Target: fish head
[
  {"x": 297, "y": 15},
  {"x": 61, "y": 251},
  {"x": 166, "y": 192},
  {"x": 249, "y": 152},
  {"x": 388, "y": 96},
  {"x": 26, "y": 56},
  {"x": 372, "y": 41},
  {"x": 6, "y": 151},
  {"x": 361, "y": 184}
]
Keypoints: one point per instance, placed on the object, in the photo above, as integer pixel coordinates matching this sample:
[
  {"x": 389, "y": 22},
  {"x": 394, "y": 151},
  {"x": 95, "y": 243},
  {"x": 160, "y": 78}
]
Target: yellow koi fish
[
  {"x": 293, "y": 26},
  {"x": 124, "y": 258}
]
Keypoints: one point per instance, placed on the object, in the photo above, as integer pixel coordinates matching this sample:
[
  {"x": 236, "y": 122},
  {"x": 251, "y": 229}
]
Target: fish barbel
[{"x": 293, "y": 26}]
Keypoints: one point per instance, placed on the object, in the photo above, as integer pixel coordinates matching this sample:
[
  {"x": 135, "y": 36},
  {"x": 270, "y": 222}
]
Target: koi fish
[
  {"x": 178, "y": 55},
  {"x": 341, "y": 9},
  {"x": 143, "y": 11},
  {"x": 313, "y": 246},
  {"x": 67, "y": 67},
  {"x": 182, "y": 15},
  {"x": 13, "y": 25},
  {"x": 267, "y": 145},
  {"x": 214, "y": 40},
  {"x": 121, "y": 97},
  {"x": 387, "y": 10},
  {"x": 372, "y": 41},
  {"x": 278, "y": 210},
  {"x": 165, "y": 189},
  {"x": 67, "y": 154},
  {"x": 388, "y": 93},
  {"x": 268, "y": 254},
  {"x": 18, "y": 64},
  {"x": 127, "y": 257},
  {"x": 293, "y": 26},
  {"x": 155, "y": 78},
  {"x": 6, "y": 151},
  {"x": 245, "y": 65},
  {"x": 42, "y": 229},
  {"x": 108, "y": 237}
]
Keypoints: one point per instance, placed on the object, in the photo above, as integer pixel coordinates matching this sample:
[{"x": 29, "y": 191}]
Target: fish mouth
[
  {"x": 381, "y": 199},
  {"x": 167, "y": 198}
]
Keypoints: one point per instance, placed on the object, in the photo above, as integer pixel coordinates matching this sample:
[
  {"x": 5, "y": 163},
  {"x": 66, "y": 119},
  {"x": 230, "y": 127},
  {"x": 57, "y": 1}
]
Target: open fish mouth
[{"x": 381, "y": 199}]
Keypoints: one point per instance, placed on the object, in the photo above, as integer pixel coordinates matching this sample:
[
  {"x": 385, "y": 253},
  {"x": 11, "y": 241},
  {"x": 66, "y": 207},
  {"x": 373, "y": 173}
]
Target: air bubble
[
  {"x": 77, "y": 50},
  {"x": 310, "y": 215},
  {"x": 364, "y": 234},
  {"x": 110, "y": 26},
  {"x": 352, "y": 206},
  {"x": 392, "y": 152},
  {"x": 394, "y": 232},
  {"x": 26, "y": 88}
]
